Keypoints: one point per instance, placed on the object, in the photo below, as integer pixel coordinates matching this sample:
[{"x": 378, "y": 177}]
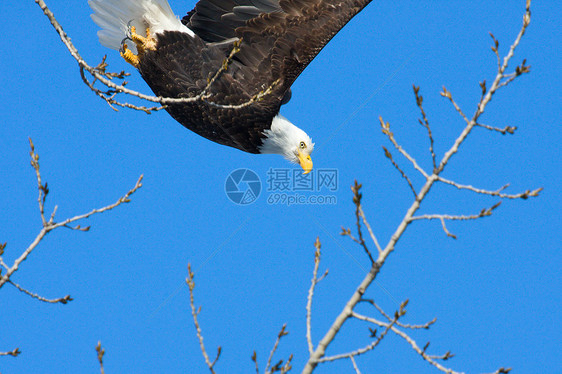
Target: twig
[
  {"x": 483, "y": 213},
  {"x": 398, "y": 323},
  {"x": 355, "y": 365},
  {"x": 62, "y": 300},
  {"x": 194, "y": 313},
  {"x": 277, "y": 367},
  {"x": 371, "y": 346},
  {"x": 255, "y": 359},
  {"x": 100, "y": 352},
  {"x": 357, "y": 201},
  {"x": 313, "y": 283},
  {"x": 371, "y": 233},
  {"x": 505, "y": 130},
  {"x": 448, "y": 95},
  {"x": 109, "y": 96},
  {"x": 99, "y": 74},
  {"x": 347, "y": 311},
  {"x": 389, "y": 156},
  {"x": 13, "y": 353},
  {"x": 444, "y": 226},
  {"x": 49, "y": 225},
  {"x": 420, "y": 351},
  {"x": 425, "y": 123},
  {"x": 502, "y": 371},
  {"x": 443, "y": 217},
  {"x": 386, "y": 130},
  {"x": 498, "y": 192}
]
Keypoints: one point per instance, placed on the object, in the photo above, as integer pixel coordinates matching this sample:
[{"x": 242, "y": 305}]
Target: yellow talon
[
  {"x": 143, "y": 44},
  {"x": 129, "y": 56}
]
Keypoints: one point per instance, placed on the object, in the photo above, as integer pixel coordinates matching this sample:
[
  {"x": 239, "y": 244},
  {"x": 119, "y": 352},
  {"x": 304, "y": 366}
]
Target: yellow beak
[{"x": 305, "y": 161}]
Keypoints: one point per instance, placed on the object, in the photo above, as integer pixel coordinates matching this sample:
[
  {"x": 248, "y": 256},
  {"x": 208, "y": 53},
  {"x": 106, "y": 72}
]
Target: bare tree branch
[
  {"x": 279, "y": 366},
  {"x": 501, "y": 80},
  {"x": 255, "y": 359},
  {"x": 313, "y": 283},
  {"x": 505, "y": 130},
  {"x": 485, "y": 212},
  {"x": 498, "y": 192},
  {"x": 50, "y": 224},
  {"x": 99, "y": 74},
  {"x": 386, "y": 130},
  {"x": 413, "y": 344},
  {"x": 404, "y": 175},
  {"x": 100, "y": 352},
  {"x": 357, "y": 195},
  {"x": 62, "y": 300},
  {"x": 449, "y": 96},
  {"x": 425, "y": 123},
  {"x": 354, "y": 365},
  {"x": 425, "y": 326},
  {"x": 195, "y": 312},
  {"x": 371, "y": 346},
  {"x": 13, "y": 353}
]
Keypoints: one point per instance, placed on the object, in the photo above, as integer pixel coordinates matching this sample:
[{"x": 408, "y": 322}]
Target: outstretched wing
[
  {"x": 217, "y": 20},
  {"x": 279, "y": 37}
]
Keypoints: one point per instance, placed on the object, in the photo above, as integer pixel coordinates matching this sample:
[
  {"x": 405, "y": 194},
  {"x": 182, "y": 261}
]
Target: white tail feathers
[{"x": 115, "y": 16}]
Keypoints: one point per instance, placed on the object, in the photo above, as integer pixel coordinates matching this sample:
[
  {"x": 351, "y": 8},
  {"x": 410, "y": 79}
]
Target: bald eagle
[{"x": 265, "y": 45}]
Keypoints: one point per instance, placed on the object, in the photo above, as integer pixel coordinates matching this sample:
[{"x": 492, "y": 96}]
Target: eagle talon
[
  {"x": 129, "y": 56},
  {"x": 129, "y": 35},
  {"x": 143, "y": 43},
  {"x": 123, "y": 45}
]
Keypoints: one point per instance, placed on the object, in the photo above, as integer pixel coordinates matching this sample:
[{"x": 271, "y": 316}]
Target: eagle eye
[{"x": 302, "y": 145}]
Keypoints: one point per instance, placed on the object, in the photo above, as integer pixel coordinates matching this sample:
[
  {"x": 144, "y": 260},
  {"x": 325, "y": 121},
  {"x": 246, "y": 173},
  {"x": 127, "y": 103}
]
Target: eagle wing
[{"x": 279, "y": 37}]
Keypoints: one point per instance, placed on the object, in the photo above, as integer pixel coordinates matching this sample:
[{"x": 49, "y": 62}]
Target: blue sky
[{"x": 495, "y": 290}]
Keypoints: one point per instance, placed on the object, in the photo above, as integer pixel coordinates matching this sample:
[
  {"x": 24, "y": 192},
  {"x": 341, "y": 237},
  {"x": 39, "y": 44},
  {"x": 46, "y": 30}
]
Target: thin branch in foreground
[
  {"x": 62, "y": 300},
  {"x": 357, "y": 196},
  {"x": 425, "y": 123},
  {"x": 100, "y": 352},
  {"x": 313, "y": 283},
  {"x": 386, "y": 130},
  {"x": 13, "y": 353},
  {"x": 255, "y": 359},
  {"x": 389, "y": 156},
  {"x": 279, "y": 367},
  {"x": 355, "y": 365},
  {"x": 432, "y": 359},
  {"x": 371, "y": 346},
  {"x": 100, "y": 74},
  {"x": 448, "y": 95},
  {"x": 502, "y": 371},
  {"x": 194, "y": 313},
  {"x": 446, "y": 217},
  {"x": 485, "y": 212},
  {"x": 425, "y": 326},
  {"x": 348, "y": 309},
  {"x": 498, "y": 192},
  {"x": 359, "y": 213},
  {"x": 50, "y": 224},
  {"x": 506, "y": 130}
]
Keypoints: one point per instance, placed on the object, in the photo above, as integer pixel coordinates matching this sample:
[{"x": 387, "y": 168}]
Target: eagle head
[{"x": 289, "y": 141}]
